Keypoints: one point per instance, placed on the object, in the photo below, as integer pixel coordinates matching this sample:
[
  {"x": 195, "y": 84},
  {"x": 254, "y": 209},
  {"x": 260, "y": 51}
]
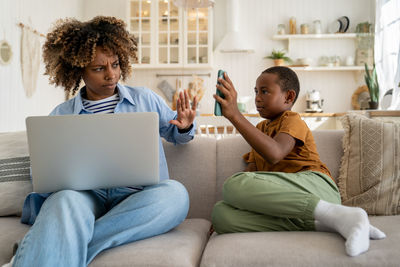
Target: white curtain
[{"x": 387, "y": 49}]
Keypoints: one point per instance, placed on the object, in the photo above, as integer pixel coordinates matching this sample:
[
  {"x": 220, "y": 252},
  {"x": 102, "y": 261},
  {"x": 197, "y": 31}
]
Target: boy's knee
[
  {"x": 220, "y": 218},
  {"x": 233, "y": 187},
  {"x": 217, "y": 217}
]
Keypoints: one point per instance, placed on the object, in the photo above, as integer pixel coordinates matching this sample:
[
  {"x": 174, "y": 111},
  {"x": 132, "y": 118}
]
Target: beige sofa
[{"x": 202, "y": 166}]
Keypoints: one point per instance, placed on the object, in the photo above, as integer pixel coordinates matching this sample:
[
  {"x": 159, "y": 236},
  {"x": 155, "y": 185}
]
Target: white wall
[
  {"x": 14, "y": 105},
  {"x": 258, "y": 22}
]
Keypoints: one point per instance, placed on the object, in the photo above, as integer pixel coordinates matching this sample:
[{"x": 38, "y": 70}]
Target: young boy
[{"x": 285, "y": 186}]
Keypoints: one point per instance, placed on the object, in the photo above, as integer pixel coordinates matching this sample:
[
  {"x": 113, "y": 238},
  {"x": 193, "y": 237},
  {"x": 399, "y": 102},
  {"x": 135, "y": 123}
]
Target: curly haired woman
[{"x": 72, "y": 227}]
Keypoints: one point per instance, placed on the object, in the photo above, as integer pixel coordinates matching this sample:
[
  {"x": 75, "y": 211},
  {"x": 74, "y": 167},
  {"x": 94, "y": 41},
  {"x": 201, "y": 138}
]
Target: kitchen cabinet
[{"x": 171, "y": 37}]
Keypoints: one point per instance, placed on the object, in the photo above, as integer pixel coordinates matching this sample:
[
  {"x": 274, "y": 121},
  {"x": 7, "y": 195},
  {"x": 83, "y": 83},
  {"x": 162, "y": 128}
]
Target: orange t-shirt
[{"x": 303, "y": 157}]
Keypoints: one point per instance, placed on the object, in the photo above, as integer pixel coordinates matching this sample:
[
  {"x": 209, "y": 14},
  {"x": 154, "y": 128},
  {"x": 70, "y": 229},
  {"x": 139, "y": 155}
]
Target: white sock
[
  {"x": 10, "y": 263},
  {"x": 374, "y": 233},
  {"x": 351, "y": 223}
]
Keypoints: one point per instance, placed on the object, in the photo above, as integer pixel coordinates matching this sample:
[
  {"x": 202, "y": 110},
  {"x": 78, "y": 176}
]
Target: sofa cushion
[
  {"x": 299, "y": 249},
  {"x": 194, "y": 165},
  {"x": 370, "y": 170},
  {"x": 181, "y": 247},
  {"x": 15, "y": 182},
  {"x": 11, "y": 231},
  {"x": 329, "y": 147},
  {"x": 229, "y": 159}
]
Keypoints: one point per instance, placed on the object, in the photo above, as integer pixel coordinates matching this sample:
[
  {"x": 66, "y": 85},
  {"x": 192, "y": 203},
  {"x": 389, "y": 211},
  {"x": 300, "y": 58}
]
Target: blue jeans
[{"x": 74, "y": 226}]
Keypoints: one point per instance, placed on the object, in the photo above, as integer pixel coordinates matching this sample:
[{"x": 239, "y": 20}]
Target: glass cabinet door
[
  {"x": 168, "y": 33},
  {"x": 140, "y": 26},
  {"x": 197, "y": 36},
  {"x": 170, "y": 36}
]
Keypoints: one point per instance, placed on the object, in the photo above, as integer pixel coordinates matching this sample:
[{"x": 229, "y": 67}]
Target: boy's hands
[
  {"x": 186, "y": 114},
  {"x": 229, "y": 103}
]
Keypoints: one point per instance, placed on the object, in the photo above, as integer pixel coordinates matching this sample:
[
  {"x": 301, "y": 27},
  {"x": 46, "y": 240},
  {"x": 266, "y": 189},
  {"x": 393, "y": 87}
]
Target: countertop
[{"x": 370, "y": 113}]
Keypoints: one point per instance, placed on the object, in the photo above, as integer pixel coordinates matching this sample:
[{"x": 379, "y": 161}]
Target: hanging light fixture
[{"x": 194, "y": 3}]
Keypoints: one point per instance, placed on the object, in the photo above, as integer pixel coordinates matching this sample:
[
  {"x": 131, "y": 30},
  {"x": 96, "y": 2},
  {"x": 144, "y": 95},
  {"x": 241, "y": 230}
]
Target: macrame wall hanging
[{"x": 30, "y": 58}]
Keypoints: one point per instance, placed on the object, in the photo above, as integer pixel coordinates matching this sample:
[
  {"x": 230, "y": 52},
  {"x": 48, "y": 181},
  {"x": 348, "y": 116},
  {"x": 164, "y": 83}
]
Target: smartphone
[{"x": 217, "y": 106}]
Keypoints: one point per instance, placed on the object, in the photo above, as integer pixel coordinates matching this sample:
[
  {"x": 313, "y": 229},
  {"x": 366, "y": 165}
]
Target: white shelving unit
[{"x": 291, "y": 38}]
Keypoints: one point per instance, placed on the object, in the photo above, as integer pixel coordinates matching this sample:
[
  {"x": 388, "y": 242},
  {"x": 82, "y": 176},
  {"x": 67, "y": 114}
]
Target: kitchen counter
[
  {"x": 210, "y": 124},
  {"x": 301, "y": 114}
]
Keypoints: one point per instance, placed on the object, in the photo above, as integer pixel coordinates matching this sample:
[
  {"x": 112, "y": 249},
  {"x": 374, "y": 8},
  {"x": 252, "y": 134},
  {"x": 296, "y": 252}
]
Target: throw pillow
[
  {"x": 15, "y": 181},
  {"x": 370, "y": 169}
]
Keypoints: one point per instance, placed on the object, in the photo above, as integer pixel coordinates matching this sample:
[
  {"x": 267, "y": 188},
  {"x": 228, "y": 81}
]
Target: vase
[
  {"x": 373, "y": 105},
  {"x": 279, "y": 62}
]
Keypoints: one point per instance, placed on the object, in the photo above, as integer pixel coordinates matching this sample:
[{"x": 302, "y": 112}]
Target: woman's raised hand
[{"x": 186, "y": 113}]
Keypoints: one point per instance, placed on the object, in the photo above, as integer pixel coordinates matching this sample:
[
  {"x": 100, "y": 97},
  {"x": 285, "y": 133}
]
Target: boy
[{"x": 285, "y": 186}]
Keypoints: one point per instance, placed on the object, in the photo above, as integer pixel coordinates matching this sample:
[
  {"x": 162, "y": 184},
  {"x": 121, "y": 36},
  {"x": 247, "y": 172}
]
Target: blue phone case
[{"x": 217, "y": 106}]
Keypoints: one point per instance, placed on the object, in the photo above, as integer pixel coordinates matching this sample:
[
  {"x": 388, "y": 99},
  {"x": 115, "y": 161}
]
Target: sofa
[{"x": 202, "y": 166}]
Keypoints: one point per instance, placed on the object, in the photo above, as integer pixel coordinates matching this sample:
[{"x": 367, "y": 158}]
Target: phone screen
[{"x": 217, "y": 106}]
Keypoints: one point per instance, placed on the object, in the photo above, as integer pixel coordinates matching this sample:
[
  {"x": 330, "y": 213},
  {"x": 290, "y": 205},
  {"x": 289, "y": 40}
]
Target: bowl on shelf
[{"x": 306, "y": 61}]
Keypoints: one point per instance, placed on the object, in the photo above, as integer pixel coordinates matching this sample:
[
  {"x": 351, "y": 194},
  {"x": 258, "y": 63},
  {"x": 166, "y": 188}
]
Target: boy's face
[
  {"x": 270, "y": 100},
  {"x": 102, "y": 75}
]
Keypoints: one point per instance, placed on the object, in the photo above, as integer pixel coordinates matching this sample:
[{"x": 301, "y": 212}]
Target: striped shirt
[{"x": 106, "y": 105}]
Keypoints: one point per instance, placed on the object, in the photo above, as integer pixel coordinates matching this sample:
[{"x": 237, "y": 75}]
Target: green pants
[{"x": 272, "y": 201}]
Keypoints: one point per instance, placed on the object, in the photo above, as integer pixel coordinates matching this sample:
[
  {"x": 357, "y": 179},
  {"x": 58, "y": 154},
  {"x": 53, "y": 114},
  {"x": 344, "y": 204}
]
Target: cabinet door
[
  {"x": 169, "y": 36},
  {"x": 169, "y": 33},
  {"x": 140, "y": 26},
  {"x": 197, "y": 36}
]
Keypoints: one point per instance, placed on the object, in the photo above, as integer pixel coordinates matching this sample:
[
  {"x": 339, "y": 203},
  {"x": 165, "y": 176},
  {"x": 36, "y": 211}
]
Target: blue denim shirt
[{"x": 132, "y": 99}]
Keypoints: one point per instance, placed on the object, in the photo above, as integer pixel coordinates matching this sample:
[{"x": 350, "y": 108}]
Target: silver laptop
[{"x": 82, "y": 152}]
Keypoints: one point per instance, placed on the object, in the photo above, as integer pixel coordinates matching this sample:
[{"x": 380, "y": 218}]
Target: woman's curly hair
[{"x": 71, "y": 45}]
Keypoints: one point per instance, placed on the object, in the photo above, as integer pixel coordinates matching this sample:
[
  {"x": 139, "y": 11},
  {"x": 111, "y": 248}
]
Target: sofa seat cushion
[
  {"x": 11, "y": 231},
  {"x": 301, "y": 248},
  {"x": 182, "y": 246}
]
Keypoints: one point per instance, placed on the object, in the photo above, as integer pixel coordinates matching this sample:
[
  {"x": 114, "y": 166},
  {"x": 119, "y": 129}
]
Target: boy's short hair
[{"x": 287, "y": 79}]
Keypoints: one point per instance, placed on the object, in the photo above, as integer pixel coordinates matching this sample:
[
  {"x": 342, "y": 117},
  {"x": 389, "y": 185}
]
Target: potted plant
[
  {"x": 371, "y": 79},
  {"x": 279, "y": 57}
]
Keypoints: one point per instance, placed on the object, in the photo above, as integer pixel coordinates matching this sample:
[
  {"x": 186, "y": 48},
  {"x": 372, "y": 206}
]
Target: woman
[{"x": 71, "y": 227}]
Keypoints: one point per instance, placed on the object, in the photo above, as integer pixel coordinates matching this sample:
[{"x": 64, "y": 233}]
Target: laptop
[{"x": 93, "y": 151}]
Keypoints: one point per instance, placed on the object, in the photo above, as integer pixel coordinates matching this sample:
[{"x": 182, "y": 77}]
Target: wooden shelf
[
  {"x": 172, "y": 66},
  {"x": 316, "y": 114},
  {"x": 321, "y": 68},
  {"x": 315, "y": 36}
]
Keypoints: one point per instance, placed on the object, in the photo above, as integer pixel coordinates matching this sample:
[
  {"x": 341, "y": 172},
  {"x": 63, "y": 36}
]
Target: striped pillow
[
  {"x": 370, "y": 168},
  {"x": 15, "y": 169},
  {"x": 15, "y": 181}
]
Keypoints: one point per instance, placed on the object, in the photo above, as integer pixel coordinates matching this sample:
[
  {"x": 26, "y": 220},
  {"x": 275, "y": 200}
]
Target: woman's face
[{"x": 102, "y": 75}]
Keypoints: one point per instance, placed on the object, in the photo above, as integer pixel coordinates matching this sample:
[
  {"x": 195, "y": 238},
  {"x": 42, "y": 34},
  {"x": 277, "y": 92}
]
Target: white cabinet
[{"x": 171, "y": 37}]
